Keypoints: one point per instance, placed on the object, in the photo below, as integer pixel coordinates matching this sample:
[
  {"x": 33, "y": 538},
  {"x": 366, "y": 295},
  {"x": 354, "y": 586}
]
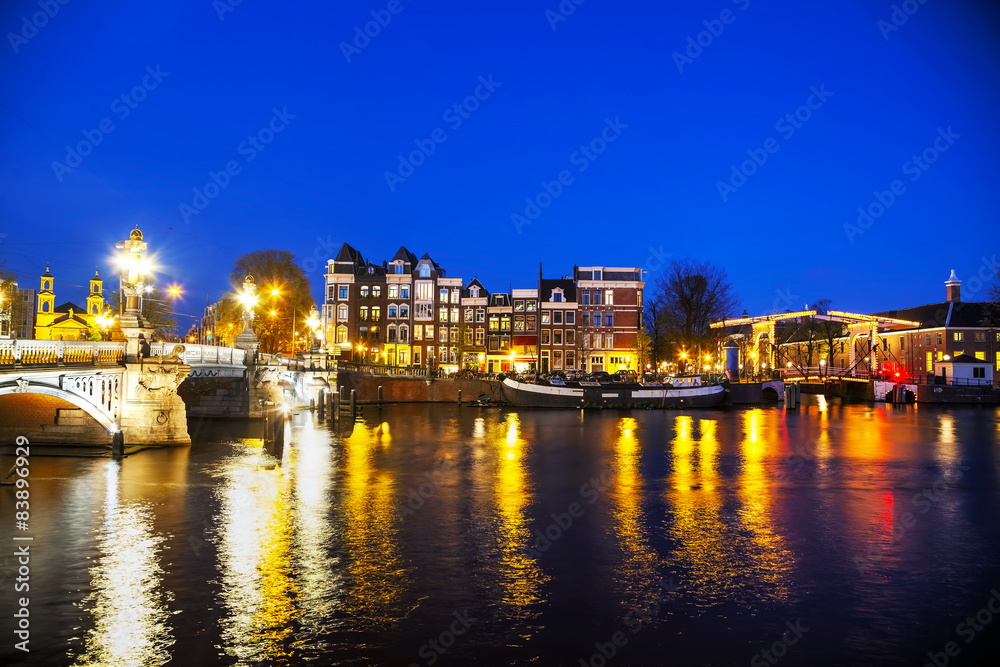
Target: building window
[
  {"x": 404, "y": 333},
  {"x": 454, "y": 314},
  {"x": 531, "y": 306},
  {"x": 557, "y": 297},
  {"x": 443, "y": 335},
  {"x": 545, "y": 336},
  {"x": 342, "y": 334},
  {"x": 329, "y": 293},
  {"x": 474, "y": 292},
  {"x": 505, "y": 323},
  {"x": 981, "y": 356},
  {"x": 443, "y": 294},
  {"x": 342, "y": 312},
  {"x": 570, "y": 318},
  {"x": 596, "y": 297},
  {"x": 404, "y": 312},
  {"x": 529, "y": 324},
  {"x": 557, "y": 337},
  {"x": 392, "y": 334},
  {"x": 364, "y": 313},
  {"x": 468, "y": 315},
  {"x": 609, "y": 341},
  {"x": 570, "y": 359},
  {"x": 376, "y": 313},
  {"x": 959, "y": 336},
  {"x": 519, "y": 306},
  {"x": 429, "y": 332},
  {"x": 399, "y": 268},
  {"x": 570, "y": 337},
  {"x": 557, "y": 361},
  {"x": 424, "y": 292},
  {"x": 597, "y": 319},
  {"x": 376, "y": 290},
  {"x": 494, "y": 323},
  {"x": 998, "y": 359},
  {"x": 392, "y": 312},
  {"x": 597, "y": 342},
  {"x": 980, "y": 336},
  {"x": 929, "y": 362},
  {"x": 609, "y": 320},
  {"x": 424, "y": 311},
  {"x": 425, "y": 272},
  {"x": 418, "y": 332},
  {"x": 978, "y": 372},
  {"x": 927, "y": 339},
  {"x": 585, "y": 317},
  {"x": 557, "y": 317},
  {"x": 480, "y": 336},
  {"x": 364, "y": 290},
  {"x": 443, "y": 315},
  {"x": 597, "y": 274},
  {"x": 586, "y": 298},
  {"x": 404, "y": 291},
  {"x": 468, "y": 336},
  {"x": 416, "y": 357},
  {"x": 546, "y": 317},
  {"x": 342, "y": 292},
  {"x": 609, "y": 297},
  {"x": 455, "y": 293},
  {"x": 937, "y": 338},
  {"x": 393, "y": 291},
  {"x": 519, "y": 322},
  {"x": 902, "y": 343}
]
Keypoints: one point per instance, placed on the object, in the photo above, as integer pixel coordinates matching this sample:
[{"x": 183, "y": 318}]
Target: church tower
[
  {"x": 95, "y": 301},
  {"x": 46, "y": 299}
]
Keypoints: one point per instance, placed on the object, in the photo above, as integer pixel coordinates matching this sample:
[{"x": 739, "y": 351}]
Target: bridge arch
[{"x": 94, "y": 411}]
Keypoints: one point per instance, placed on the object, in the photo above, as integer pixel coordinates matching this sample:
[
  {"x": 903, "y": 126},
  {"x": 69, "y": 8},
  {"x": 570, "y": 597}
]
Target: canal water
[{"x": 430, "y": 534}]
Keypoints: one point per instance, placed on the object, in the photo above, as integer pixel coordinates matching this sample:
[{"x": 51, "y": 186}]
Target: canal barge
[{"x": 678, "y": 392}]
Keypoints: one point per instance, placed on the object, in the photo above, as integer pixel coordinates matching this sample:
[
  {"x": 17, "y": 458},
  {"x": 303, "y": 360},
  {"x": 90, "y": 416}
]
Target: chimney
[{"x": 954, "y": 287}]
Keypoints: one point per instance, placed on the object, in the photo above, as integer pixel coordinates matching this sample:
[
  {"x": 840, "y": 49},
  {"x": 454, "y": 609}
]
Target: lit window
[
  {"x": 981, "y": 356},
  {"x": 959, "y": 336},
  {"x": 545, "y": 336},
  {"x": 341, "y": 334},
  {"x": 376, "y": 313},
  {"x": 980, "y": 336},
  {"x": 364, "y": 290},
  {"x": 557, "y": 337},
  {"x": 480, "y": 315},
  {"x": 608, "y": 297},
  {"x": 454, "y": 314},
  {"x": 393, "y": 291},
  {"x": 455, "y": 294},
  {"x": 342, "y": 312},
  {"x": 376, "y": 290},
  {"x": 546, "y": 317},
  {"x": 468, "y": 315}
]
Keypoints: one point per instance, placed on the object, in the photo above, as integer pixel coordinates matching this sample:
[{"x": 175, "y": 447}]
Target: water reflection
[
  {"x": 254, "y": 534},
  {"x": 378, "y": 574},
  {"x": 730, "y": 552},
  {"x": 638, "y": 575},
  {"x": 128, "y": 609},
  {"x": 517, "y": 570},
  {"x": 310, "y": 464}
]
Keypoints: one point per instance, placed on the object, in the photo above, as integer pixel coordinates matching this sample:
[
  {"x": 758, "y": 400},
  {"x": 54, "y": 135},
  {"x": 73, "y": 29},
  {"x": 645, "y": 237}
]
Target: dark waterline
[{"x": 700, "y": 537}]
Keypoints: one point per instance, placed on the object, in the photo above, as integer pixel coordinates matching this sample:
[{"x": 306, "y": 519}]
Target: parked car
[
  {"x": 624, "y": 376},
  {"x": 599, "y": 376}
]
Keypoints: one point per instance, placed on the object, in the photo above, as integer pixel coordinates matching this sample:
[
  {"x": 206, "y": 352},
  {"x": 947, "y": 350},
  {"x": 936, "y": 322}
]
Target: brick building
[{"x": 409, "y": 312}]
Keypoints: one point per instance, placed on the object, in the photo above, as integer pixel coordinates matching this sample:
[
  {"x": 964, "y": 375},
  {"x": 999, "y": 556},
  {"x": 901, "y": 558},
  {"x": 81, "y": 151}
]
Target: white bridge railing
[
  {"x": 203, "y": 354},
  {"x": 41, "y": 353}
]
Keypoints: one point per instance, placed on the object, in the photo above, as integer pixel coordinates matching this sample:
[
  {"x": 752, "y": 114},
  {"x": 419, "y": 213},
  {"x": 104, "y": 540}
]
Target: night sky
[{"x": 613, "y": 121}]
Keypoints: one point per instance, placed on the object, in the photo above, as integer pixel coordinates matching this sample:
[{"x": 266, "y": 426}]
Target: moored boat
[{"x": 685, "y": 392}]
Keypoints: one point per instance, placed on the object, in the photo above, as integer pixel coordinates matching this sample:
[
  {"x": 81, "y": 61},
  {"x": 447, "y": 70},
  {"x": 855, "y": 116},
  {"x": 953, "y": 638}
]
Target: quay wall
[{"x": 413, "y": 389}]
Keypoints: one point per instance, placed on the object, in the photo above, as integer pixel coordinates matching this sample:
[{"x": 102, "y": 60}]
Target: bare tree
[{"x": 691, "y": 295}]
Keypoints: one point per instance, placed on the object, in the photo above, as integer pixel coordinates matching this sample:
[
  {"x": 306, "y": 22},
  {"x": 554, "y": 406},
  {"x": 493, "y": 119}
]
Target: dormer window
[
  {"x": 597, "y": 274},
  {"x": 474, "y": 292},
  {"x": 557, "y": 295},
  {"x": 371, "y": 269},
  {"x": 425, "y": 271}
]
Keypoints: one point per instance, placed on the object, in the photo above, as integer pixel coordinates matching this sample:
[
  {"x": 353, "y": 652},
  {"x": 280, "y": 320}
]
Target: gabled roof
[
  {"x": 943, "y": 314},
  {"x": 405, "y": 256},
  {"x": 428, "y": 257},
  {"x": 67, "y": 320},
  {"x": 483, "y": 292},
  {"x": 965, "y": 359},
  {"x": 568, "y": 288},
  {"x": 65, "y": 308},
  {"x": 348, "y": 254}
]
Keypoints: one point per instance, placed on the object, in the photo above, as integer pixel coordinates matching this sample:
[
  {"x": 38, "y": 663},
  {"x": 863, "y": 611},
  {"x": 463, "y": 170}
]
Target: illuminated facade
[{"x": 67, "y": 321}]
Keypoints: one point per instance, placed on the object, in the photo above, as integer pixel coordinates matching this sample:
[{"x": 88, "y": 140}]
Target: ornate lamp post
[
  {"x": 314, "y": 327},
  {"x": 247, "y": 340},
  {"x": 132, "y": 269}
]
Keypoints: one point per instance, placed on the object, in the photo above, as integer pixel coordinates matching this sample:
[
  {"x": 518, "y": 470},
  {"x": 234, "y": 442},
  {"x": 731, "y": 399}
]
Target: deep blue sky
[{"x": 780, "y": 236}]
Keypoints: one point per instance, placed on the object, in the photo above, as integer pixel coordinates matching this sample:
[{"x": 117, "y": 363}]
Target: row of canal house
[
  {"x": 409, "y": 312},
  {"x": 952, "y": 338}
]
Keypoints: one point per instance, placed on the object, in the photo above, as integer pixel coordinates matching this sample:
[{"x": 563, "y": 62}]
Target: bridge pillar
[{"x": 152, "y": 413}]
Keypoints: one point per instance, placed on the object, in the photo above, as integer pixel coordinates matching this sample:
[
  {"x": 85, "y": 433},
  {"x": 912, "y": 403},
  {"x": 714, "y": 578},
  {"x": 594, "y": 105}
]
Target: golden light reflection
[
  {"x": 637, "y": 576},
  {"x": 376, "y": 575},
  {"x": 947, "y": 445},
  {"x": 311, "y": 465},
  {"x": 258, "y": 592},
  {"x": 127, "y": 605},
  {"x": 519, "y": 575},
  {"x": 727, "y": 555}
]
